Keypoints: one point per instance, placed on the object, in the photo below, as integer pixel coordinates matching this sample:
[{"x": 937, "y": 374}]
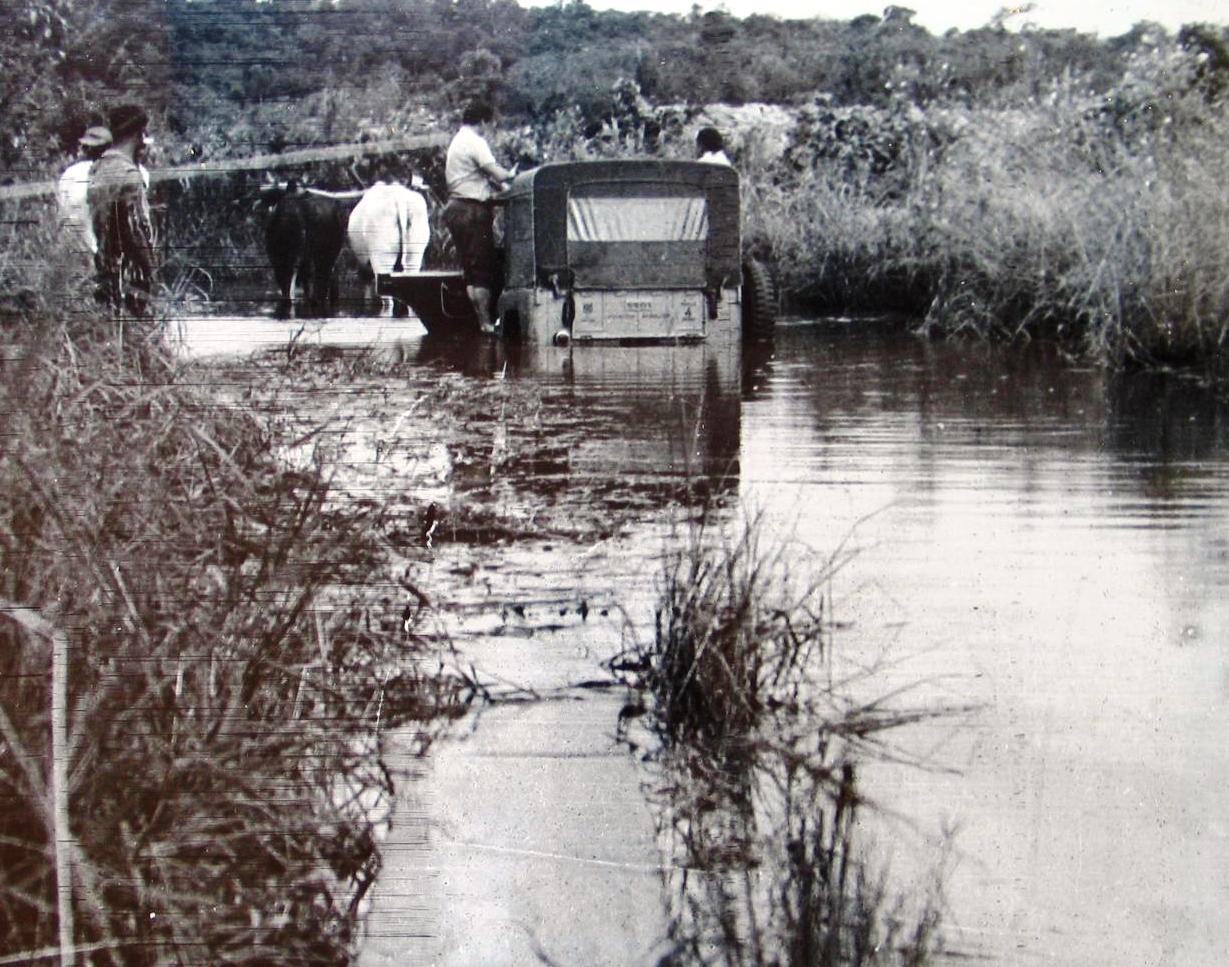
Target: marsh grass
[
  {"x": 731, "y": 644},
  {"x": 230, "y": 675},
  {"x": 755, "y": 744},
  {"x": 1052, "y": 221},
  {"x": 771, "y": 869},
  {"x": 1097, "y": 219}
]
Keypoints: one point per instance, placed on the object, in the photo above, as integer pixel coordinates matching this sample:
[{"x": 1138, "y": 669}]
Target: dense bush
[
  {"x": 225, "y": 77},
  {"x": 1092, "y": 214}
]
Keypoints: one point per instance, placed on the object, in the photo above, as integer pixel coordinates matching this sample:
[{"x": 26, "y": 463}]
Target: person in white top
[
  {"x": 474, "y": 177},
  {"x": 710, "y": 147},
  {"x": 75, "y": 223}
]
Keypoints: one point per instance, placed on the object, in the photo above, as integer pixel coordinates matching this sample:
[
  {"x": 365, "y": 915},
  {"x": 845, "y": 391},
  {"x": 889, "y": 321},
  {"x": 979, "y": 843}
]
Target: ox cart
[{"x": 602, "y": 251}]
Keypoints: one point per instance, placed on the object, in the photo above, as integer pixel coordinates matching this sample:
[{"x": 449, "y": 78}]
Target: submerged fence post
[
  {"x": 35, "y": 623},
  {"x": 59, "y": 793}
]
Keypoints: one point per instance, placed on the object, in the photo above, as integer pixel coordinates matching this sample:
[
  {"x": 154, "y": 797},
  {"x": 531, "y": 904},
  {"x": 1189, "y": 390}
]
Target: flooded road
[
  {"x": 1043, "y": 543},
  {"x": 1053, "y": 545}
]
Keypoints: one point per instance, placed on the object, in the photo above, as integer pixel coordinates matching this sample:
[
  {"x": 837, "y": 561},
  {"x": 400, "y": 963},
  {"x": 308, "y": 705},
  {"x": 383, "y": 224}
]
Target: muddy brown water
[{"x": 1038, "y": 540}]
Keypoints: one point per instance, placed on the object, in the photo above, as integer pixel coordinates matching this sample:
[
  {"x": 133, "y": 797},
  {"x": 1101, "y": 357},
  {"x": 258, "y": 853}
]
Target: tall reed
[
  {"x": 229, "y": 675},
  {"x": 732, "y": 644},
  {"x": 1099, "y": 218},
  {"x": 756, "y": 745}
]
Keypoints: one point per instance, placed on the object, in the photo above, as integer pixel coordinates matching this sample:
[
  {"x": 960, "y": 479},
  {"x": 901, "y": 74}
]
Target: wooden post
[
  {"x": 59, "y": 793},
  {"x": 62, "y": 843}
]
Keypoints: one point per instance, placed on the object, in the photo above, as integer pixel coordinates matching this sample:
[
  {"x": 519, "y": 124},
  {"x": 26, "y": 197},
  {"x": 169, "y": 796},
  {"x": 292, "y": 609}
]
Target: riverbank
[
  {"x": 247, "y": 624},
  {"x": 1095, "y": 220}
]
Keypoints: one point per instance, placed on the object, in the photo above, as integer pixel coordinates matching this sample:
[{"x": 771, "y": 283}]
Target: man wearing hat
[
  {"x": 75, "y": 224},
  {"x": 119, "y": 212}
]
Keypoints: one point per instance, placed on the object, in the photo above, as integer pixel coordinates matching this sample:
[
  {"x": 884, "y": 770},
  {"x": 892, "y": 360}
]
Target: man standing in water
[
  {"x": 119, "y": 211},
  {"x": 71, "y": 190},
  {"x": 474, "y": 176}
]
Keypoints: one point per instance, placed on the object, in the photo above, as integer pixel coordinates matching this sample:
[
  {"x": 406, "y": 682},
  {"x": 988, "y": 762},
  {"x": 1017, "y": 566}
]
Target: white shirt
[
  {"x": 715, "y": 158},
  {"x": 70, "y": 196},
  {"x": 468, "y": 154}
]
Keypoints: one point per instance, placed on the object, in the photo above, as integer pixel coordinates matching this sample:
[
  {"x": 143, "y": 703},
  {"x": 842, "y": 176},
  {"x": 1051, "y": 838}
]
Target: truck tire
[{"x": 759, "y": 300}]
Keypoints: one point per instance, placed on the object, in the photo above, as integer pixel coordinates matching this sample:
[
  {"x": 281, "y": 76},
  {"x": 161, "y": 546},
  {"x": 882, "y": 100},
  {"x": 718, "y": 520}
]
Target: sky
[{"x": 1106, "y": 18}]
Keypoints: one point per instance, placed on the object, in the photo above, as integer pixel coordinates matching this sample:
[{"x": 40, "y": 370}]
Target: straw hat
[{"x": 95, "y": 137}]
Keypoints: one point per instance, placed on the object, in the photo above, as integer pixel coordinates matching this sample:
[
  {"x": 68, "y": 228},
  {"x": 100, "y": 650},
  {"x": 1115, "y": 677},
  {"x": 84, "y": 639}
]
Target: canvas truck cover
[{"x": 624, "y": 224}]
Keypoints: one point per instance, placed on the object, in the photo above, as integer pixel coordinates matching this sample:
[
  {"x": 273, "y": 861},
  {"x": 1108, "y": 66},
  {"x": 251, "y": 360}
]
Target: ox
[
  {"x": 389, "y": 231},
  {"x": 304, "y": 236}
]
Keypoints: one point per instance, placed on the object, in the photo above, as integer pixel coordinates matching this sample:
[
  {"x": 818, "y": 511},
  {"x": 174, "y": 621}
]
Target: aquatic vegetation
[
  {"x": 732, "y": 645},
  {"x": 754, "y": 742},
  {"x": 770, "y": 868}
]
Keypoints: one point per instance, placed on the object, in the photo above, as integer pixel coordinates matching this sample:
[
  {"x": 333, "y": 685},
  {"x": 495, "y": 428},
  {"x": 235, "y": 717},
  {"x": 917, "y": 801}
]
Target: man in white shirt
[
  {"x": 474, "y": 176},
  {"x": 75, "y": 223}
]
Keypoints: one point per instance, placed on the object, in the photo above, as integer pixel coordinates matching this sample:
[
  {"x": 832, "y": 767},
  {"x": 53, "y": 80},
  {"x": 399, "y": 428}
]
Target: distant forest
[{"x": 231, "y": 77}]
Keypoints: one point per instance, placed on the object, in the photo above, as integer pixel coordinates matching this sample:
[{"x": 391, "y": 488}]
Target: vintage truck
[{"x": 599, "y": 251}]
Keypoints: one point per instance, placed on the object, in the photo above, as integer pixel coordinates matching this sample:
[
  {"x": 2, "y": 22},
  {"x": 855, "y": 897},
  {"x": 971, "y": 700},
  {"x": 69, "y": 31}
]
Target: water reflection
[
  {"x": 618, "y": 424},
  {"x": 1033, "y": 538},
  {"x": 607, "y": 428},
  {"x": 1165, "y": 426},
  {"x": 1047, "y": 542},
  {"x": 232, "y": 337},
  {"x": 767, "y": 867}
]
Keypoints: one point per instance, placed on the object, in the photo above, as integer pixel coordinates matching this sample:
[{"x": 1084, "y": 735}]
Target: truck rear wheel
[{"x": 759, "y": 300}]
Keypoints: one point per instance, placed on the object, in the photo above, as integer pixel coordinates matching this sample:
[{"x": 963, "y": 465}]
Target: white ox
[{"x": 389, "y": 230}]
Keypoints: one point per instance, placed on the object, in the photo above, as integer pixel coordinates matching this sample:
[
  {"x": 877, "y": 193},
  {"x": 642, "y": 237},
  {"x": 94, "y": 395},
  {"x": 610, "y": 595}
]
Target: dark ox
[{"x": 304, "y": 237}]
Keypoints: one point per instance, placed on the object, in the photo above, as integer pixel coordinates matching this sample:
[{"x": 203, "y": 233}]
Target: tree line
[{"x": 233, "y": 77}]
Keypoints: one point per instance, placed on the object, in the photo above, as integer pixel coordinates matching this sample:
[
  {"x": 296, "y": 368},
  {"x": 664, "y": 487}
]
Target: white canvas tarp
[{"x": 611, "y": 218}]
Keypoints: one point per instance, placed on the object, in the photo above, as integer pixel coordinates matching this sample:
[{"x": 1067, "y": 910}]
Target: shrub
[
  {"x": 1089, "y": 220},
  {"x": 1093, "y": 215}
]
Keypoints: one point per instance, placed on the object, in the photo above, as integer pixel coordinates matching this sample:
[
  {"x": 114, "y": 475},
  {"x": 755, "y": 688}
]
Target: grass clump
[
  {"x": 757, "y": 743},
  {"x": 771, "y": 870},
  {"x": 725, "y": 654},
  {"x": 229, "y": 679}
]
